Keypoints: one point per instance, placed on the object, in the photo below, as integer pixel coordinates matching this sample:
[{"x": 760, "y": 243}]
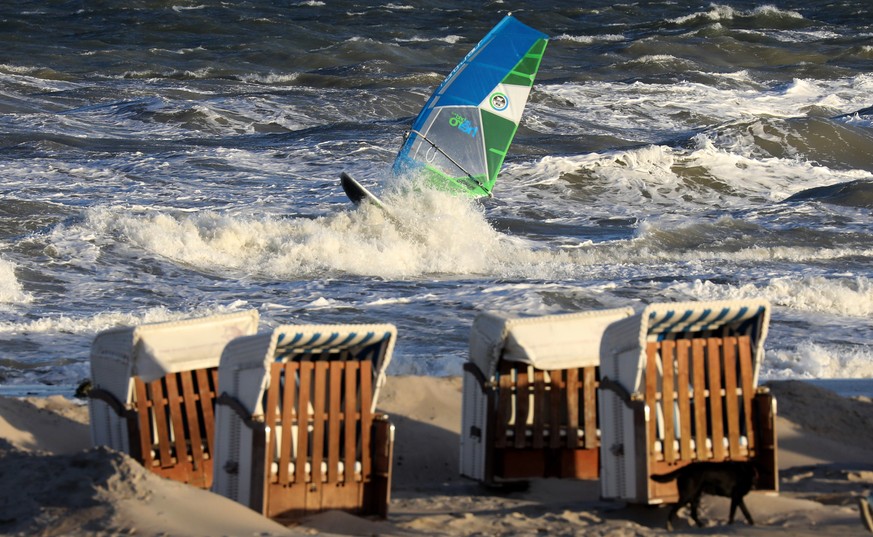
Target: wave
[
  {"x": 590, "y": 39},
  {"x": 836, "y": 144},
  {"x": 451, "y": 39},
  {"x": 653, "y": 112},
  {"x": 696, "y": 178},
  {"x": 430, "y": 233},
  {"x": 11, "y": 291},
  {"x": 67, "y": 324},
  {"x": 833, "y": 295},
  {"x": 766, "y": 16},
  {"x": 811, "y": 360},
  {"x": 852, "y": 194}
]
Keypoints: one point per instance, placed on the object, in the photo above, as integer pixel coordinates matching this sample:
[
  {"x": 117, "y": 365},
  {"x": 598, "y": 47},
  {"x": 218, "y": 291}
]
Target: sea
[{"x": 167, "y": 159}]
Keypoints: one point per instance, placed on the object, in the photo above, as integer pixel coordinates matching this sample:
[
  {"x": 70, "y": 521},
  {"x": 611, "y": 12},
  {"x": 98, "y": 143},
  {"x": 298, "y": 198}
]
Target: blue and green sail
[{"x": 462, "y": 135}]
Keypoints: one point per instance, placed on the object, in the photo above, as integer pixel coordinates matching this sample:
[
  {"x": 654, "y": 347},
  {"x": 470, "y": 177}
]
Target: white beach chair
[
  {"x": 529, "y": 407},
  {"x": 679, "y": 384},
  {"x": 296, "y": 427},
  {"x": 153, "y": 388}
]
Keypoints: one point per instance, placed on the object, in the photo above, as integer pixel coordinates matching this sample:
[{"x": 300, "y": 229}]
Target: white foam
[
  {"x": 65, "y": 324},
  {"x": 451, "y": 39},
  {"x": 589, "y": 39},
  {"x": 641, "y": 181},
  {"x": 437, "y": 234},
  {"x": 11, "y": 290},
  {"x": 641, "y": 111},
  {"x": 834, "y": 295},
  {"x": 812, "y": 360},
  {"x": 179, "y": 9},
  {"x": 661, "y": 59},
  {"x": 718, "y": 12}
]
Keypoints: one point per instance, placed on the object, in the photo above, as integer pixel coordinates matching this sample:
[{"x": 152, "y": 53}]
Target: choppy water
[{"x": 162, "y": 159}]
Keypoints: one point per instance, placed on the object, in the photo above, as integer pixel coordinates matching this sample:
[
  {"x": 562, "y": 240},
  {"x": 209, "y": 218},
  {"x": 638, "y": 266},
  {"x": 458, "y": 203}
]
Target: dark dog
[{"x": 731, "y": 479}]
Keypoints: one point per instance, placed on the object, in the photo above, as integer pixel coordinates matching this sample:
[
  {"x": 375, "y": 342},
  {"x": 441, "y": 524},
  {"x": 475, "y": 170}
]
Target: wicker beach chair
[
  {"x": 296, "y": 423},
  {"x": 679, "y": 384},
  {"x": 153, "y": 391},
  {"x": 529, "y": 396}
]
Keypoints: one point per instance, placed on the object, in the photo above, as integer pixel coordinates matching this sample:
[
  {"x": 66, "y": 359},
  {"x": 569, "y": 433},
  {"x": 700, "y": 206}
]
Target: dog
[{"x": 731, "y": 479}]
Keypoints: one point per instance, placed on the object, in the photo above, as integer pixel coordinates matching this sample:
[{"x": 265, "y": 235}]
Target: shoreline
[{"x": 74, "y": 489}]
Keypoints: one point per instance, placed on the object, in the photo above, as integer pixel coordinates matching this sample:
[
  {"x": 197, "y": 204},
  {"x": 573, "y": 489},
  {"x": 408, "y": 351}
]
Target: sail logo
[
  {"x": 463, "y": 124},
  {"x": 499, "y": 102}
]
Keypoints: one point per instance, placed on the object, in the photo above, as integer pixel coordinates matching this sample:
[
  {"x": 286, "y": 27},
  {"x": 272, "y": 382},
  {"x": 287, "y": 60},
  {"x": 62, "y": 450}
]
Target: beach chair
[
  {"x": 679, "y": 384},
  {"x": 529, "y": 396},
  {"x": 153, "y": 391},
  {"x": 296, "y": 423}
]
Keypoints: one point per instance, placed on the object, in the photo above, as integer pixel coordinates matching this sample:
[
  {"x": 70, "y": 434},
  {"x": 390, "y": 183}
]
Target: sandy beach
[{"x": 55, "y": 483}]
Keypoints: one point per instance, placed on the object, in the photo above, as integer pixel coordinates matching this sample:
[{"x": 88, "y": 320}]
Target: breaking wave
[{"x": 11, "y": 290}]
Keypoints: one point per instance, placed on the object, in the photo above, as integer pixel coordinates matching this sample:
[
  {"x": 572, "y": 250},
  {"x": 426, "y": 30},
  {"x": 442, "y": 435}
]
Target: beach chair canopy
[
  {"x": 626, "y": 339},
  {"x": 372, "y": 342},
  {"x": 151, "y": 351},
  {"x": 548, "y": 342}
]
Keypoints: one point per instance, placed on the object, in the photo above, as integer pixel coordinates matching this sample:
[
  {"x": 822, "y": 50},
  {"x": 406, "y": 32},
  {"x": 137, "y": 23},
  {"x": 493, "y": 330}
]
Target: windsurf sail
[{"x": 462, "y": 135}]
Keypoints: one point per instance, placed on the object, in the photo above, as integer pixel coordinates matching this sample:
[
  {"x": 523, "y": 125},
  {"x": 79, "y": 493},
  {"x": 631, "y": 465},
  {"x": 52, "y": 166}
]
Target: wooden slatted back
[
  {"x": 700, "y": 389},
  {"x": 318, "y": 415},
  {"x": 175, "y": 425},
  {"x": 537, "y": 406}
]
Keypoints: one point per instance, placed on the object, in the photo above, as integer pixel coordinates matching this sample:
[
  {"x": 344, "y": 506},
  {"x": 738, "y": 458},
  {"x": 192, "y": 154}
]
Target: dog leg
[
  {"x": 695, "y": 503},
  {"x": 675, "y": 511},
  {"x": 671, "y": 516},
  {"x": 746, "y": 512},
  {"x": 738, "y": 502}
]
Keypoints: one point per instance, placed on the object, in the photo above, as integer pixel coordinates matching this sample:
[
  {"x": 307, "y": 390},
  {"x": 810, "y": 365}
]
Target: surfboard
[{"x": 356, "y": 192}]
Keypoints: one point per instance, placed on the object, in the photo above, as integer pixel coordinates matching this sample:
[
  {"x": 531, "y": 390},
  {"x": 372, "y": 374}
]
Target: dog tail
[{"x": 666, "y": 478}]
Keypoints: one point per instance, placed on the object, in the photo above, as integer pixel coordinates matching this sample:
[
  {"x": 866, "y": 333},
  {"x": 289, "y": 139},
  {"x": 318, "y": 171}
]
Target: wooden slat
[
  {"x": 589, "y": 407},
  {"x": 270, "y": 419},
  {"x": 713, "y": 359},
  {"x": 504, "y": 408},
  {"x": 318, "y": 425},
  {"x": 334, "y": 421},
  {"x": 746, "y": 381},
  {"x": 572, "y": 395},
  {"x": 350, "y": 419},
  {"x": 160, "y": 414},
  {"x": 286, "y": 381},
  {"x": 522, "y": 399},
  {"x": 731, "y": 400},
  {"x": 206, "y": 394},
  {"x": 174, "y": 399},
  {"x": 683, "y": 386},
  {"x": 651, "y": 395},
  {"x": 195, "y": 439},
  {"x": 698, "y": 368},
  {"x": 144, "y": 421},
  {"x": 303, "y": 418},
  {"x": 556, "y": 397},
  {"x": 667, "y": 398},
  {"x": 541, "y": 414},
  {"x": 366, "y": 416}
]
